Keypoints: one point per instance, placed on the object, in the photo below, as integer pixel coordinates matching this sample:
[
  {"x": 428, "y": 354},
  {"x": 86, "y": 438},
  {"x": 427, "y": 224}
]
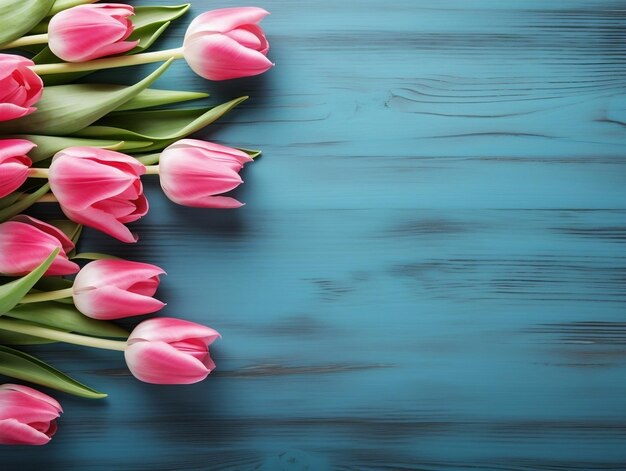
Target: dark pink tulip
[
  {"x": 194, "y": 173},
  {"x": 26, "y": 242},
  {"x": 227, "y": 43},
  {"x": 27, "y": 416},
  {"x": 112, "y": 289},
  {"x": 14, "y": 164},
  {"x": 87, "y": 32},
  {"x": 170, "y": 351},
  {"x": 20, "y": 87},
  {"x": 99, "y": 188}
]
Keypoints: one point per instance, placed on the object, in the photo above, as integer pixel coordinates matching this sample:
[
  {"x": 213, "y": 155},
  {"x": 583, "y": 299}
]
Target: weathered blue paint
[{"x": 430, "y": 270}]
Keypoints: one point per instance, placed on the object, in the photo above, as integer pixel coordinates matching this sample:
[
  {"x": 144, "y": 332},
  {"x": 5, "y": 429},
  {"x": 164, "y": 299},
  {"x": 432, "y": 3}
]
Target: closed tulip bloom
[
  {"x": 27, "y": 416},
  {"x": 87, "y": 32},
  {"x": 112, "y": 289},
  {"x": 20, "y": 87},
  {"x": 170, "y": 351},
  {"x": 14, "y": 164},
  {"x": 26, "y": 242},
  {"x": 195, "y": 173},
  {"x": 227, "y": 43},
  {"x": 99, "y": 188}
]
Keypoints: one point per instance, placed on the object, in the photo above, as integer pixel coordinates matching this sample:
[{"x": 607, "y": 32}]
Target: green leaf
[
  {"x": 47, "y": 146},
  {"x": 9, "y": 199},
  {"x": 23, "y": 203},
  {"x": 252, "y": 153},
  {"x": 151, "y": 22},
  {"x": 162, "y": 127},
  {"x": 53, "y": 283},
  {"x": 20, "y": 16},
  {"x": 11, "y": 293},
  {"x": 20, "y": 365},
  {"x": 67, "y": 318},
  {"x": 60, "y": 5},
  {"x": 70, "y": 228},
  {"x": 95, "y": 256},
  {"x": 13, "y": 338},
  {"x": 65, "y": 109},
  {"x": 153, "y": 97}
]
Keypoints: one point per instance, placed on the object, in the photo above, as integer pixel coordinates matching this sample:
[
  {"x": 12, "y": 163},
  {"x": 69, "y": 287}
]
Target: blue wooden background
[{"x": 430, "y": 272}]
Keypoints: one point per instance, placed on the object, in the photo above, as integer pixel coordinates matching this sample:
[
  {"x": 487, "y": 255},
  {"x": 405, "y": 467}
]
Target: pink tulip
[
  {"x": 26, "y": 242},
  {"x": 86, "y": 32},
  {"x": 227, "y": 43},
  {"x": 14, "y": 164},
  {"x": 99, "y": 188},
  {"x": 170, "y": 351},
  {"x": 192, "y": 172},
  {"x": 27, "y": 416},
  {"x": 112, "y": 289},
  {"x": 20, "y": 87}
]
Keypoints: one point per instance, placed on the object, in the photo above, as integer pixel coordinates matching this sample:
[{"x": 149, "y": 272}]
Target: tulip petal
[
  {"x": 15, "y": 147},
  {"x": 225, "y": 19},
  {"x": 120, "y": 273},
  {"x": 10, "y": 111},
  {"x": 218, "y": 57},
  {"x": 169, "y": 329},
  {"x": 157, "y": 362},
  {"x": 55, "y": 232},
  {"x": 111, "y": 302},
  {"x": 13, "y": 432},
  {"x": 102, "y": 221}
]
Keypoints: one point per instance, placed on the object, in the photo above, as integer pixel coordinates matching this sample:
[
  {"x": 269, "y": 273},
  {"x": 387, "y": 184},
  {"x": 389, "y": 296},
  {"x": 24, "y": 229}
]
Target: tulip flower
[
  {"x": 26, "y": 242},
  {"x": 87, "y": 32},
  {"x": 112, "y": 289},
  {"x": 170, "y": 351},
  {"x": 194, "y": 172},
  {"x": 27, "y": 416},
  {"x": 20, "y": 87},
  {"x": 227, "y": 43},
  {"x": 99, "y": 188},
  {"x": 14, "y": 164},
  {"x": 219, "y": 45}
]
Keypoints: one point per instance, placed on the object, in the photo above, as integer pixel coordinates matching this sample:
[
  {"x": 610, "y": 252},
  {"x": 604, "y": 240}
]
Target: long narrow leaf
[
  {"x": 162, "y": 127},
  {"x": 25, "y": 201},
  {"x": 67, "y": 318},
  {"x": 11, "y": 293},
  {"x": 65, "y": 109},
  {"x": 26, "y": 367},
  {"x": 20, "y": 16}
]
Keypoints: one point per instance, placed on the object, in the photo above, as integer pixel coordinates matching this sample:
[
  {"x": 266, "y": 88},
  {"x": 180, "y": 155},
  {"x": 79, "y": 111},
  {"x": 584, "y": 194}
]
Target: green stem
[
  {"x": 38, "y": 172},
  {"x": 108, "y": 63},
  {"x": 47, "y": 198},
  {"x": 53, "y": 334},
  {"x": 47, "y": 296},
  {"x": 27, "y": 41},
  {"x": 152, "y": 169}
]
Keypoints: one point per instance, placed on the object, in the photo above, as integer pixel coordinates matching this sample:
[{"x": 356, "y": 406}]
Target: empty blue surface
[{"x": 430, "y": 269}]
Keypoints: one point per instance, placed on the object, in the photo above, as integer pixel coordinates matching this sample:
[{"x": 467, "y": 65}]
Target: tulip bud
[
  {"x": 99, "y": 188},
  {"x": 112, "y": 289},
  {"x": 227, "y": 43},
  {"x": 14, "y": 164},
  {"x": 87, "y": 32},
  {"x": 170, "y": 351},
  {"x": 192, "y": 172},
  {"x": 26, "y": 242},
  {"x": 27, "y": 416},
  {"x": 20, "y": 87}
]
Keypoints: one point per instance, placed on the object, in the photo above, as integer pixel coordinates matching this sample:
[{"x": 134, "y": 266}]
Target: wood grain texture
[{"x": 430, "y": 272}]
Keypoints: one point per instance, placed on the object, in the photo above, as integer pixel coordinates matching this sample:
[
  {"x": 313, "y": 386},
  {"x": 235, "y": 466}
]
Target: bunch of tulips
[{"x": 86, "y": 148}]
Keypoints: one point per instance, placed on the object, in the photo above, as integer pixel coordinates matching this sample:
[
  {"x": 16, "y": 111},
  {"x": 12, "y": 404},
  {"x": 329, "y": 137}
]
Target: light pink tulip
[
  {"x": 20, "y": 87},
  {"x": 170, "y": 351},
  {"x": 14, "y": 164},
  {"x": 27, "y": 416},
  {"x": 99, "y": 188},
  {"x": 193, "y": 172},
  {"x": 112, "y": 289},
  {"x": 26, "y": 242},
  {"x": 86, "y": 32},
  {"x": 227, "y": 43}
]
